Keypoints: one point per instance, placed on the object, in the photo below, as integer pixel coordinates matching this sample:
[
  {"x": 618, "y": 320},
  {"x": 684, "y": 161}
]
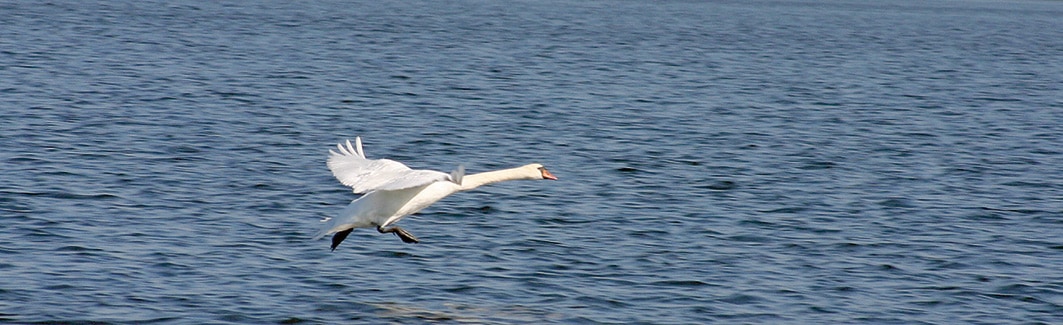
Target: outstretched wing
[{"x": 351, "y": 168}]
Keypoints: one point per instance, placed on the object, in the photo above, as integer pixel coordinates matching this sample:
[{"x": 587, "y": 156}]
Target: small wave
[
  {"x": 1030, "y": 184},
  {"x": 786, "y": 210},
  {"x": 742, "y": 299},
  {"x": 75, "y": 248},
  {"x": 720, "y": 186},
  {"x": 66, "y": 195},
  {"x": 680, "y": 283}
]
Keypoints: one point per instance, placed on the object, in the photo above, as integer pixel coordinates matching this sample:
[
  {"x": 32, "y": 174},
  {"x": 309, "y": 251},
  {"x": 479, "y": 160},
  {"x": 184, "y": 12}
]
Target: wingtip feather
[
  {"x": 358, "y": 142},
  {"x": 457, "y": 174},
  {"x": 349, "y": 149}
]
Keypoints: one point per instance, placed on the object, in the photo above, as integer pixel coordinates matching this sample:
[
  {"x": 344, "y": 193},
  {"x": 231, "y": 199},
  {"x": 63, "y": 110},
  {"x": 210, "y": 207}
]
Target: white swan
[{"x": 394, "y": 191}]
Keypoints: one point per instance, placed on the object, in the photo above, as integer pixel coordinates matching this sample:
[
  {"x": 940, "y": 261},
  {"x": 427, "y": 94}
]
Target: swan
[{"x": 392, "y": 191}]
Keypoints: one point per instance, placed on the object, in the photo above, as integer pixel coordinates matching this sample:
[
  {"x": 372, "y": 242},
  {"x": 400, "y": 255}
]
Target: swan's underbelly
[
  {"x": 382, "y": 208},
  {"x": 420, "y": 200}
]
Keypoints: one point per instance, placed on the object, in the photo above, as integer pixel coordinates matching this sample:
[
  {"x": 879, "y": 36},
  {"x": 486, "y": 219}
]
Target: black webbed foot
[
  {"x": 339, "y": 237},
  {"x": 406, "y": 236}
]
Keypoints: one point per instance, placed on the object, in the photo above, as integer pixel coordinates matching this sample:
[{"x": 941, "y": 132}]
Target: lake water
[{"x": 757, "y": 162}]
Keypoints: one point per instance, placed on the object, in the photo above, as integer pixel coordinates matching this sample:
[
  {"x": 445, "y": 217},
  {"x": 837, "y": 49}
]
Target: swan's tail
[
  {"x": 326, "y": 228},
  {"x": 333, "y": 225},
  {"x": 344, "y": 221}
]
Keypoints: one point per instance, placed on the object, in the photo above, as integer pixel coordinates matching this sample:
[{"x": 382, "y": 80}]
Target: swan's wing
[{"x": 351, "y": 168}]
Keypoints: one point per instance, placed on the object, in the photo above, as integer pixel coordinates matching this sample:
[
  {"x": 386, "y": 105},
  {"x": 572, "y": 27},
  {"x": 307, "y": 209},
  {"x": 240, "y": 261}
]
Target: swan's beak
[{"x": 547, "y": 174}]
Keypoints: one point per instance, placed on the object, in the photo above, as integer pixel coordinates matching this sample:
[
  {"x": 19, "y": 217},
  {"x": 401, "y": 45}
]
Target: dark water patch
[
  {"x": 599, "y": 301},
  {"x": 986, "y": 215},
  {"x": 680, "y": 283},
  {"x": 645, "y": 233},
  {"x": 996, "y": 99},
  {"x": 928, "y": 303},
  {"x": 1018, "y": 211},
  {"x": 817, "y": 165},
  {"x": 42, "y": 232},
  {"x": 393, "y": 254},
  {"x": 12, "y": 205},
  {"x": 750, "y": 239},
  {"x": 25, "y": 160},
  {"x": 920, "y": 135},
  {"x": 68, "y": 195},
  {"x": 1017, "y": 288},
  {"x": 844, "y": 289},
  {"x": 234, "y": 317},
  {"x": 758, "y": 223},
  {"x": 720, "y": 185},
  {"x": 1047, "y": 151},
  {"x": 825, "y": 230},
  {"x": 741, "y": 299},
  {"x": 61, "y": 287},
  {"x": 75, "y": 248},
  {"x": 690, "y": 162},
  {"x": 171, "y": 268},
  {"x": 562, "y": 221},
  {"x": 460, "y": 289},
  {"x": 896, "y": 203},
  {"x": 822, "y": 310},
  {"x": 1030, "y": 184},
  {"x": 293, "y": 320},
  {"x": 786, "y": 210}
]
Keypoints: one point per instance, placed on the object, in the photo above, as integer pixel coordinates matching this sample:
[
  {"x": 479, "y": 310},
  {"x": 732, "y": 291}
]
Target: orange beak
[{"x": 547, "y": 174}]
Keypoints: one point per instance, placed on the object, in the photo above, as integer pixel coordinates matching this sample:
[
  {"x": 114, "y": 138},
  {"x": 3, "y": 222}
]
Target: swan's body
[{"x": 394, "y": 191}]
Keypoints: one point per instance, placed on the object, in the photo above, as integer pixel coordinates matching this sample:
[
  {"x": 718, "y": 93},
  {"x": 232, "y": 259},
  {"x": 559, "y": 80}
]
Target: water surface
[{"x": 784, "y": 162}]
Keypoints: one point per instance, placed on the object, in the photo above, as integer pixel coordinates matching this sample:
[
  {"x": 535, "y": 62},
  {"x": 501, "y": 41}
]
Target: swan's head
[{"x": 537, "y": 171}]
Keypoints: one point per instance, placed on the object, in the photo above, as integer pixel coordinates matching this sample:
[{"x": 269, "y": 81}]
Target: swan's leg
[
  {"x": 406, "y": 236},
  {"x": 339, "y": 237}
]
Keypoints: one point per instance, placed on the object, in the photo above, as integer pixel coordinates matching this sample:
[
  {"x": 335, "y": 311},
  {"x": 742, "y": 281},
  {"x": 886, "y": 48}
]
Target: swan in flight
[{"x": 393, "y": 191}]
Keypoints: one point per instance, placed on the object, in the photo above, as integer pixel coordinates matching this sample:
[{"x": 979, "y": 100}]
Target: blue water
[{"x": 760, "y": 162}]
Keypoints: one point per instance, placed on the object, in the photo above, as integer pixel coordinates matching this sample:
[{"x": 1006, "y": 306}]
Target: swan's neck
[{"x": 481, "y": 179}]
